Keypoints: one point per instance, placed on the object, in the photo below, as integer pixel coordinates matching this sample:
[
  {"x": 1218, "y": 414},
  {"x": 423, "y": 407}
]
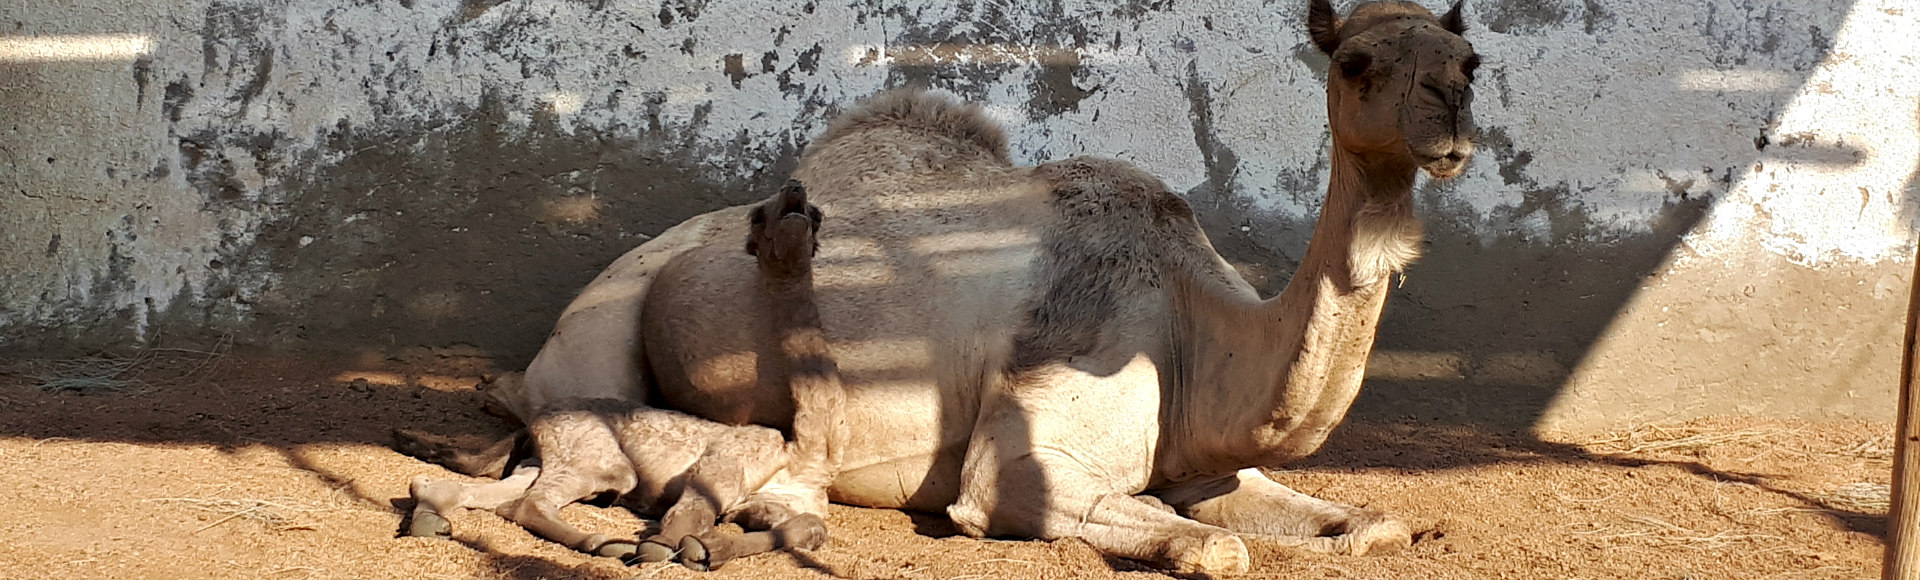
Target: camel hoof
[
  {"x": 653, "y": 551},
  {"x": 1383, "y": 537},
  {"x": 1219, "y": 554},
  {"x": 620, "y": 549},
  {"x": 695, "y": 555},
  {"x": 430, "y": 525},
  {"x": 806, "y": 532}
]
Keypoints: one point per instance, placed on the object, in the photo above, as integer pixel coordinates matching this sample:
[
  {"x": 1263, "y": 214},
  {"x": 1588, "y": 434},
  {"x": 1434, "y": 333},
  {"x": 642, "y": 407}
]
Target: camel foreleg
[{"x": 1031, "y": 478}]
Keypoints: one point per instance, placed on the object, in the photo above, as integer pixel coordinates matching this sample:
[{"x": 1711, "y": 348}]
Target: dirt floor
[{"x": 178, "y": 464}]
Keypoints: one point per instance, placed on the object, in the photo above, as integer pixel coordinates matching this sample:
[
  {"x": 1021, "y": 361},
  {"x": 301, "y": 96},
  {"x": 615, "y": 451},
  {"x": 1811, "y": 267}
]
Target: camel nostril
[{"x": 1455, "y": 156}]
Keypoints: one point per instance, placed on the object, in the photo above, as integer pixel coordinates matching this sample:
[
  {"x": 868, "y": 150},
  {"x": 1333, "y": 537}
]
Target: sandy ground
[{"x": 188, "y": 465}]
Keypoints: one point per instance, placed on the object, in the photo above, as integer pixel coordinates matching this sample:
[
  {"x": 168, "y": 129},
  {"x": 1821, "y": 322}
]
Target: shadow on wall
[{"x": 466, "y": 237}]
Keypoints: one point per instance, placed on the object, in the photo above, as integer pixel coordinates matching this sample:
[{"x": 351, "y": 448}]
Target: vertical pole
[{"x": 1903, "y": 529}]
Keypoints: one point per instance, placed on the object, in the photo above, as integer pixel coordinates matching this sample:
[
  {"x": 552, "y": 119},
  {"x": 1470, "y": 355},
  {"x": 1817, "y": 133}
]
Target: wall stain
[
  {"x": 1594, "y": 16},
  {"x": 1523, "y": 16},
  {"x": 142, "y": 76},
  {"x": 1219, "y": 159},
  {"x": 735, "y": 68}
]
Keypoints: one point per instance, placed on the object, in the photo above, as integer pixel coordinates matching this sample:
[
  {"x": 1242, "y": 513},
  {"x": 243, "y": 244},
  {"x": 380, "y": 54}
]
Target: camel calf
[{"x": 588, "y": 447}]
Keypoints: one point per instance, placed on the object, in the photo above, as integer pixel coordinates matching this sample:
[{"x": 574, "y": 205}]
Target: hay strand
[
  {"x": 279, "y": 514},
  {"x": 1664, "y": 534},
  {"x": 108, "y": 373},
  {"x": 1678, "y": 439},
  {"x": 92, "y": 375}
]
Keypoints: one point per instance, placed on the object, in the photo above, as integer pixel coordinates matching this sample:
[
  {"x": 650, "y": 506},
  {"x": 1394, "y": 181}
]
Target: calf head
[{"x": 783, "y": 231}]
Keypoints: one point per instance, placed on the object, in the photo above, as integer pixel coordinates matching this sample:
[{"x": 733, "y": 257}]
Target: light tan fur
[
  {"x": 649, "y": 457},
  {"x": 1029, "y": 348}
]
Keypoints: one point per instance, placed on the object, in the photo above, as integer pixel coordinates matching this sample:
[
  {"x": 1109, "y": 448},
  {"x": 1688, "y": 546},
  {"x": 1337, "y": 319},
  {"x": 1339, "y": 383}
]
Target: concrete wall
[{"x": 1680, "y": 207}]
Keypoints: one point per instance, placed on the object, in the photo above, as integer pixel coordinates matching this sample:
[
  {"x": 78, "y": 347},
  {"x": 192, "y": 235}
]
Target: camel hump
[
  {"x": 1106, "y": 193},
  {"x": 914, "y": 109}
]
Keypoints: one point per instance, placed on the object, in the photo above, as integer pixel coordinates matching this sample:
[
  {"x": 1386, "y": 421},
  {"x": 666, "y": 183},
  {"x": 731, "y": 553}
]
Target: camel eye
[{"x": 1355, "y": 64}]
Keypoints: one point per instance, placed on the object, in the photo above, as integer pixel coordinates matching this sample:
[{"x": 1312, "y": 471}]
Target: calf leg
[
  {"x": 434, "y": 499},
  {"x": 720, "y": 481},
  {"x": 581, "y": 458},
  {"x": 708, "y": 551},
  {"x": 694, "y": 513},
  {"x": 539, "y": 512},
  {"x": 1249, "y": 502}
]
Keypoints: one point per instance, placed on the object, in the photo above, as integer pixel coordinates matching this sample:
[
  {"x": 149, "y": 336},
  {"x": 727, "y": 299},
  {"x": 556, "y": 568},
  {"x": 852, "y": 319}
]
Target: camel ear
[
  {"x": 1323, "y": 25},
  {"x": 1453, "y": 21},
  {"x": 756, "y": 225}
]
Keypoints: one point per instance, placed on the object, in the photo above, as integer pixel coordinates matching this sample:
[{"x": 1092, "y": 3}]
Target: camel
[
  {"x": 650, "y": 457},
  {"x": 1057, "y": 351}
]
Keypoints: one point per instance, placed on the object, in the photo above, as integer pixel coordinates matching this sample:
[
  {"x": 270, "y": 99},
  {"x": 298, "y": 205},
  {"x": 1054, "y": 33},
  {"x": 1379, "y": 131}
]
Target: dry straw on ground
[
  {"x": 1651, "y": 531},
  {"x": 109, "y": 373},
  {"x": 1652, "y": 438},
  {"x": 278, "y": 514}
]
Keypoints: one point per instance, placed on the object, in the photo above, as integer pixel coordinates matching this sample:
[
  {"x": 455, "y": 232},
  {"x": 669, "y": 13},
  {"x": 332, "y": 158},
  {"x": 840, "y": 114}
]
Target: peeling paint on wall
[{"x": 381, "y": 175}]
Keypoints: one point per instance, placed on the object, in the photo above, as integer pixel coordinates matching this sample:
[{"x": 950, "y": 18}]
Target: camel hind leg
[
  {"x": 1248, "y": 502},
  {"x": 488, "y": 460}
]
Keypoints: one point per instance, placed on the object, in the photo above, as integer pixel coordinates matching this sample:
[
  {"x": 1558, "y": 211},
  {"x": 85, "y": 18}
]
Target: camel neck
[
  {"x": 1305, "y": 360},
  {"x": 791, "y": 287}
]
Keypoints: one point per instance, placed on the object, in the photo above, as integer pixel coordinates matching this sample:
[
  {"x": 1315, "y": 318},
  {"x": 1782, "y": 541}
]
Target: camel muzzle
[{"x": 1450, "y": 165}]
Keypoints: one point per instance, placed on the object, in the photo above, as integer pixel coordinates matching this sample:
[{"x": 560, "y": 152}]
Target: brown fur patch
[
  {"x": 1118, "y": 228},
  {"x": 1370, "y": 14}
]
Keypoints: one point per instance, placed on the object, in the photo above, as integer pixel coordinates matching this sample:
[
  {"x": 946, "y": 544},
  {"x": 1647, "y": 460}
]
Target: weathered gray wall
[{"x": 1680, "y": 207}]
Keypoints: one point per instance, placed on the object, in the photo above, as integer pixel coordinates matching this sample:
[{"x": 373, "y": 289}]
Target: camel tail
[{"x": 916, "y": 110}]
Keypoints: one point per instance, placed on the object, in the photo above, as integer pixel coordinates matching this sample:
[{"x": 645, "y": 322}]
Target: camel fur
[
  {"x": 652, "y": 457},
  {"x": 1027, "y": 349}
]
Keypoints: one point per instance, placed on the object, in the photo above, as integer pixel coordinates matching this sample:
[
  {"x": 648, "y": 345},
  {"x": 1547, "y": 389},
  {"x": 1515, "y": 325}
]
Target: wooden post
[{"x": 1903, "y": 529}]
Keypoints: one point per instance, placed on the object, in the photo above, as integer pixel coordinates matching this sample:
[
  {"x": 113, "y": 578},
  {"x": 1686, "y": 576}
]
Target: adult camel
[{"x": 1055, "y": 351}]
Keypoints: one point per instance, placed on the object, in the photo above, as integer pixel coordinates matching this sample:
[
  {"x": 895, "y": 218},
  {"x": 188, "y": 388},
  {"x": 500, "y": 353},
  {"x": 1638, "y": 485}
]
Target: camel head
[
  {"x": 782, "y": 230},
  {"x": 1398, "y": 87}
]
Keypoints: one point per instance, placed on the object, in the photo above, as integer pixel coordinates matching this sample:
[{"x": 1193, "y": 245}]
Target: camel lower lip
[{"x": 1444, "y": 169}]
